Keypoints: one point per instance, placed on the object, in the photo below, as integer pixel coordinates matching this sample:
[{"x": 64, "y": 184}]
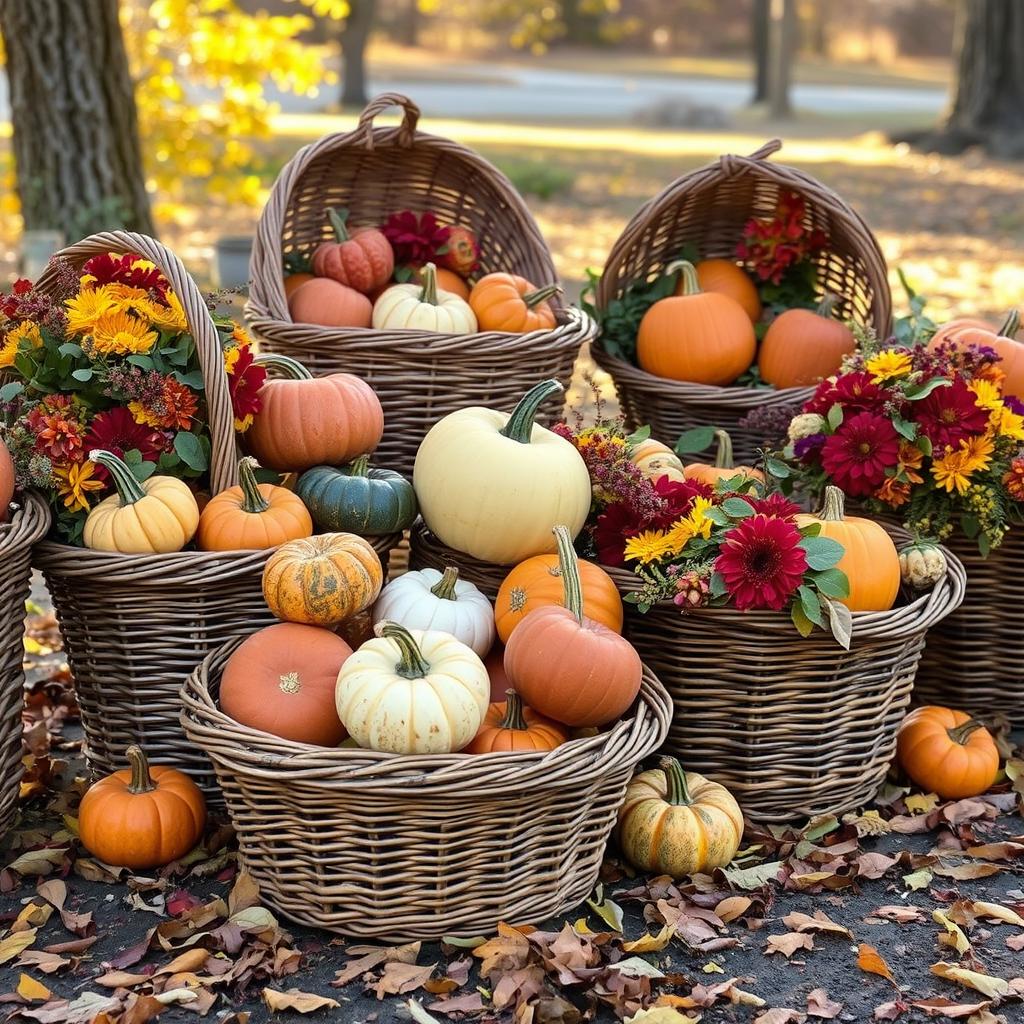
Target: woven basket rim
[{"x": 27, "y": 523}]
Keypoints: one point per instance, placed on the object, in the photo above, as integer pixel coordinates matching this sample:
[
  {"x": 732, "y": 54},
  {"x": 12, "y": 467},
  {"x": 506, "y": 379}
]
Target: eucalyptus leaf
[
  {"x": 639, "y": 435},
  {"x": 698, "y": 439},
  {"x": 832, "y": 582},
  {"x": 190, "y": 451},
  {"x": 918, "y": 391},
  {"x": 810, "y": 605},
  {"x": 70, "y": 348},
  {"x": 835, "y": 416},
  {"x": 822, "y": 552},
  {"x": 776, "y": 468},
  {"x": 905, "y": 428},
  {"x": 11, "y": 390},
  {"x": 84, "y": 374},
  {"x": 737, "y": 508},
  {"x": 924, "y": 443},
  {"x": 717, "y": 587},
  {"x": 840, "y": 620}
]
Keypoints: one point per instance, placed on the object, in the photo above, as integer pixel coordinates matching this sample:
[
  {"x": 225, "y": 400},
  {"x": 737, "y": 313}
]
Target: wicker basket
[
  {"x": 417, "y": 847},
  {"x": 28, "y": 521},
  {"x": 793, "y": 727},
  {"x": 419, "y": 377},
  {"x": 427, "y": 552},
  {"x": 706, "y": 210},
  {"x": 134, "y": 626}
]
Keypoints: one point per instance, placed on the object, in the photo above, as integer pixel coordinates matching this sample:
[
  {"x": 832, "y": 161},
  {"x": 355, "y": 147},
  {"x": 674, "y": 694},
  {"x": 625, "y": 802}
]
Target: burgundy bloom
[
  {"x": 857, "y": 455},
  {"x": 614, "y": 526},
  {"x": 107, "y": 268},
  {"x": 776, "y": 505},
  {"x": 762, "y": 563},
  {"x": 416, "y": 238},
  {"x": 677, "y": 496},
  {"x": 855, "y": 392},
  {"x": 244, "y": 381},
  {"x": 117, "y": 431},
  {"x": 950, "y": 414}
]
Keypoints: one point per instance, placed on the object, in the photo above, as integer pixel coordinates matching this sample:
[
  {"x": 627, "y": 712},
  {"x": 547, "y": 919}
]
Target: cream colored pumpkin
[
  {"x": 424, "y": 307},
  {"x": 494, "y": 485},
  {"x": 412, "y": 692},
  {"x": 656, "y": 460}
]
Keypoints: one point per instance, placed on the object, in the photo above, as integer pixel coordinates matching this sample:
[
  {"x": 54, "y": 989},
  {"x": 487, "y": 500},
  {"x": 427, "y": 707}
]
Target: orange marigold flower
[
  {"x": 181, "y": 406},
  {"x": 894, "y": 492},
  {"x": 1014, "y": 479}
]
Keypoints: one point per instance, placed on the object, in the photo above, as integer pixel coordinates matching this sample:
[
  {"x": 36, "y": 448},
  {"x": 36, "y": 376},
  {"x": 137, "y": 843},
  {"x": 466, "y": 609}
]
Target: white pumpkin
[
  {"x": 494, "y": 485},
  {"x": 412, "y": 692},
  {"x": 656, "y": 460},
  {"x": 424, "y": 307},
  {"x": 428, "y": 599}
]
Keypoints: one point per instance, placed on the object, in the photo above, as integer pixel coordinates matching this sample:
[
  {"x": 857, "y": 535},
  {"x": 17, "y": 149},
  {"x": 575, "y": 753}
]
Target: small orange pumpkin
[
  {"x": 509, "y": 726},
  {"x": 329, "y": 304},
  {"x": 947, "y": 330},
  {"x": 804, "y": 346},
  {"x": 7, "y": 481},
  {"x": 141, "y": 817},
  {"x": 947, "y": 752},
  {"x": 447, "y": 281},
  {"x": 702, "y": 337},
  {"x": 507, "y": 302},
  {"x": 723, "y": 468},
  {"x": 1004, "y": 341},
  {"x": 728, "y": 278},
  {"x": 293, "y": 282},
  {"x": 362, "y": 259}
]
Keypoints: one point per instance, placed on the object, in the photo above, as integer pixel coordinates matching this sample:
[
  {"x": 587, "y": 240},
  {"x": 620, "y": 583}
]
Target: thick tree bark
[
  {"x": 760, "y": 29},
  {"x": 76, "y": 139},
  {"x": 354, "y": 35},
  {"x": 782, "y": 48},
  {"x": 407, "y": 31}
]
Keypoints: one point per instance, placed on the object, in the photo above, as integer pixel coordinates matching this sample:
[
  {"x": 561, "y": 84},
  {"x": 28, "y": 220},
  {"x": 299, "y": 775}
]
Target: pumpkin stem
[
  {"x": 827, "y": 306},
  {"x": 833, "y": 508},
  {"x": 129, "y": 490},
  {"x": 520, "y": 422},
  {"x": 428, "y": 275},
  {"x": 572, "y": 589},
  {"x": 141, "y": 780},
  {"x": 690, "y": 281},
  {"x": 444, "y": 588},
  {"x": 677, "y": 792},
  {"x": 252, "y": 497},
  {"x": 535, "y": 298},
  {"x": 337, "y": 219},
  {"x": 723, "y": 458},
  {"x": 1011, "y": 325},
  {"x": 960, "y": 733},
  {"x": 513, "y": 712},
  {"x": 291, "y": 368},
  {"x": 360, "y": 466},
  {"x": 412, "y": 664}
]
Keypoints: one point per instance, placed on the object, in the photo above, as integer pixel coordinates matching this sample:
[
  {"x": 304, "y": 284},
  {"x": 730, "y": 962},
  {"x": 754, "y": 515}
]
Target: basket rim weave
[{"x": 26, "y": 524}]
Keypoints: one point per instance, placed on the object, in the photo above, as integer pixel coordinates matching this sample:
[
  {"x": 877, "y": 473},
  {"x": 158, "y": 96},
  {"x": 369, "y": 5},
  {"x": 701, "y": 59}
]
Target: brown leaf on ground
[
  {"x": 80, "y": 1010},
  {"x": 398, "y": 978},
  {"x": 871, "y": 961},
  {"x": 507, "y": 951},
  {"x": 48, "y": 963},
  {"x": 818, "y": 922},
  {"x": 940, "y": 1007},
  {"x": 294, "y": 999},
  {"x": 873, "y": 865},
  {"x": 471, "y": 1002},
  {"x": 244, "y": 894},
  {"x": 819, "y": 1005},
  {"x": 1015, "y": 942},
  {"x": 372, "y": 957},
  {"x": 652, "y": 943},
  {"x": 780, "y": 1016},
  {"x": 733, "y": 907},
  {"x": 967, "y": 872},
  {"x": 900, "y": 913},
  {"x": 788, "y": 943},
  {"x": 14, "y": 944},
  {"x": 72, "y": 946},
  {"x": 986, "y": 984},
  {"x": 35, "y": 915},
  {"x": 890, "y": 1011},
  {"x": 997, "y": 851}
]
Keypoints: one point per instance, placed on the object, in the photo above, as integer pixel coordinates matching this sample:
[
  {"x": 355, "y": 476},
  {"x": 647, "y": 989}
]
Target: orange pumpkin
[
  {"x": 322, "y": 580},
  {"x": 1004, "y": 341},
  {"x": 509, "y": 726},
  {"x": 870, "y": 559},
  {"x": 947, "y": 752},
  {"x": 252, "y": 516},
  {"x": 141, "y": 817},
  {"x": 295, "y": 281},
  {"x": 567, "y": 667},
  {"x": 447, "y": 281},
  {"x": 507, "y": 302},
  {"x": 537, "y": 582},
  {"x": 702, "y": 337},
  {"x": 495, "y": 665},
  {"x": 362, "y": 259},
  {"x": 281, "y": 681},
  {"x": 952, "y": 327},
  {"x": 727, "y": 278},
  {"x": 7, "y": 481},
  {"x": 656, "y": 460},
  {"x": 307, "y": 421},
  {"x": 803, "y": 346},
  {"x": 723, "y": 468},
  {"x": 329, "y": 304}
]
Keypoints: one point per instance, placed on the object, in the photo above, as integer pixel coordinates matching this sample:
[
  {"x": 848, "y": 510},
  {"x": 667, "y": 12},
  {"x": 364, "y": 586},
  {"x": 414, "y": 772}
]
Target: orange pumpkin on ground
[
  {"x": 329, "y": 304},
  {"x": 568, "y": 667},
  {"x": 509, "y": 726},
  {"x": 728, "y": 278},
  {"x": 947, "y": 752},
  {"x": 1004, "y": 341},
  {"x": 723, "y": 468},
  {"x": 7, "y": 481},
  {"x": 507, "y": 302},
  {"x": 804, "y": 346},
  {"x": 293, "y": 282},
  {"x": 701, "y": 337},
  {"x": 361, "y": 259},
  {"x": 281, "y": 681}
]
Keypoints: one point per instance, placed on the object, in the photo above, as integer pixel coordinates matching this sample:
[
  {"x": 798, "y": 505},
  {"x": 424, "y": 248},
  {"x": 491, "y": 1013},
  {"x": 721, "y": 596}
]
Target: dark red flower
[
  {"x": 107, "y": 268},
  {"x": 614, "y": 526},
  {"x": 775, "y": 504},
  {"x": 245, "y": 379},
  {"x": 950, "y": 414},
  {"x": 416, "y": 238},
  {"x": 857, "y": 455},
  {"x": 853, "y": 391},
  {"x": 678, "y": 498},
  {"x": 761, "y": 562},
  {"x": 117, "y": 431},
  {"x": 772, "y": 246}
]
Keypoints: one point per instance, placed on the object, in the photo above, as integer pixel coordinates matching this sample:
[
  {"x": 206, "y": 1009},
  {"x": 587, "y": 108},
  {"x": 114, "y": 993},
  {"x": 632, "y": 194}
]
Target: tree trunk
[
  {"x": 76, "y": 140},
  {"x": 354, "y": 35},
  {"x": 760, "y": 30},
  {"x": 782, "y": 39},
  {"x": 407, "y": 31}
]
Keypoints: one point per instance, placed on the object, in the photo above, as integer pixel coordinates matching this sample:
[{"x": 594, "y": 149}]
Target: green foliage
[
  {"x": 914, "y": 328},
  {"x": 538, "y": 178}
]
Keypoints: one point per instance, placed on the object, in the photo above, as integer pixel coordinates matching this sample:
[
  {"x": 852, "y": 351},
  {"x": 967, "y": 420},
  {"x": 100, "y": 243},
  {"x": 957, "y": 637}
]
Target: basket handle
[
  {"x": 733, "y": 165},
  {"x": 223, "y": 464},
  {"x": 410, "y": 118}
]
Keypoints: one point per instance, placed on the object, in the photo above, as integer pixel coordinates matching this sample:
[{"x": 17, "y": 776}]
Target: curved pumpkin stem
[
  {"x": 412, "y": 664},
  {"x": 513, "y": 712},
  {"x": 690, "y": 281},
  {"x": 444, "y": 588},
  {"x": 1011, "y": 325},
  {"x": 960, "y": 734},
  {"x": 827, "y": 306},
  {"x": 572, "y": 588},
  {"x": 833, "y": 508},
  {"x": 360, "y": 466},
  {"x": 142, "y": 779},
  {"x": 677, "y": 792},
  {"x": 428, "y": 275},
  {"x": 291, "y": 368},
  {"x": 520, "y": 422},
  {"x": 535, "y": 298},
  {"x": 252, "y": 498},
  {"x": 723, "y": 457},
  {"x": 129, "y": 490},
  {"x": 337, "y": 219}
]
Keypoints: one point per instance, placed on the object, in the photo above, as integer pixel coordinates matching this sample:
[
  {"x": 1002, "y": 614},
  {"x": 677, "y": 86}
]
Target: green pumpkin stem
[
  {"x": 833, "y": 508},
  {"x": 290, "y": 368},
  {"x": 677, "y": 792},
  {"x": 827, "y": 306},
  {"x": 360, "y": 466},
  {"x": 690, "y": 281},
  {"x": 537, "y": 297},
  {"x": 141, "y": 780},
  {"x": 337, "y": 219},
  {"x": 412, "y": 664},
  {"x": 723, "y": 456},
  {"x": 959, "y": 734},
  {"x": 572, "y": 588},
  {"x": 1011, "y": 325},
  {"x": 252, "y": 499},
  {"x": 444, "y": 588},
  {"x": 428, "y": 275},
  {"x": 129, "y": 490},
  {"x": 513, "y": 712},
  {"x": 520, "y": 422}
]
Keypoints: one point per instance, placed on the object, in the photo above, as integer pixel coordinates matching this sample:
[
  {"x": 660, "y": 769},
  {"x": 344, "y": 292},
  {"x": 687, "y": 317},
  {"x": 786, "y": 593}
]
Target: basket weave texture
[
  {"x": 25, "y": 525},
  {"x": 419, "y": 846},
  {"x": 793, "y": 727},
  {"x": 418, "y": 376},
  {"x": 134, "y": 626},
  {"x": 427, "y": 552},
  {"x": 705, "y": 211}
]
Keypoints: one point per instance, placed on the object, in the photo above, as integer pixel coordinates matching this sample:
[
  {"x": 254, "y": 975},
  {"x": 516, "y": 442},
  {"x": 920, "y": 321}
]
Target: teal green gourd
[{"x": 357, "y": 499}]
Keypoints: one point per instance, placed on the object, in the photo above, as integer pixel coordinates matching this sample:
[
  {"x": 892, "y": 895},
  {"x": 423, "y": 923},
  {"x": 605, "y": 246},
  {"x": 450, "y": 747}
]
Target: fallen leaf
[
  {"x": 34, "y": 915},
  {"x": 940, "y": 1007},
  {"x": 32, "y": 991},
  {"x": 788, "y": 943},
  {"x": 954, "y": 936},
  {"x": 780, "y": 1016},
  {"x": 921, "y": 803},
  {"x": 659, "y": 1015},
  {"x": 13, "y": 945},
  {"x": 967, "y": 872},
  {"x": 997, "y": 912},
  {"x": 712, "y": 968},
  {"x": 651, "y": 943},
  {"x": 48, "y": 963},
  {"x": 244, "y": 893},
  {"x": 755, "y": 877},
  {"x": 294, "y": 999},
  {"x": 733, "y": 907},
  {"x": 81, "y": 1010},
  {"x": 1016, "y": 942},
  {"x": 870, "y": 960},
  {"x": 986, "y": 984},
  {"x": 819, "y": 1005},
  {"x": 918, "y": 880},
  {"x": 399, "y": 978},
  {"x": 819, "y": 922},
  {"x": 38, "y": 862},
  {"x": 606, "y": 909},
  {"x": 997, "y": 851},
  {"x": 890, "y": 1011},
  {"x": 420, "y": 1015},
  {"x": 637, "y": 967},
  {"x": 870, "y": 823},
  {"x": 900, "y": 913},
  {"x": 873, "y": 865}
]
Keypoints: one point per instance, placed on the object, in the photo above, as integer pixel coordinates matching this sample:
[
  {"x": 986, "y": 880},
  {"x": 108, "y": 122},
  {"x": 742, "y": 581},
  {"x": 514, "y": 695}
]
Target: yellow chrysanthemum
[
  {"x": 977, "y": 452},
  {"x": 240, "y": 334},
  {"x": 169, "y": 317},
  {"x": 646, "y": 547},
  {"x": 1007, "y": 423},
  {"x": 953, "y": 470},
  {"x": 888, "y": 365},
  {"x": 28, "y": 331},
  {"x": 696, "y": 524},
  {"x": 230, "y": 358},
  {"x": 86, "y": 308},
  {"x": 119, "y": 333},
  {"x": 143, "y": 415},
  {"x": 75, "y": 482},
  {"x": 986, "y": 395}
]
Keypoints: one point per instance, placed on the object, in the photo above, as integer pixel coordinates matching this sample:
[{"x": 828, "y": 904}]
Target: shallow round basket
[
  {"x": 794, "y": 727},
  {"x": 28, "y": 520},
  {"x": 705, "y": 211},
  {"x": 427, "y": 552},
  {"x": 134, "y": 626},
  {"x": 418, "y": 376},
  {"x": 419, "y": 846}
]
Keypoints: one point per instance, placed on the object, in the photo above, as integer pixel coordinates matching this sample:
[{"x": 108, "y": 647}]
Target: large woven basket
[
  {"x": 134, "y": 626},
  {"x": 705, "y": 211},
  {"x": 419, "y": 377},
  {"x": 28, "y": 521},
  {"x": 417, "y": 847},
  {"x": 793, "y": 727},
  {"x": 427, "y": 552}
]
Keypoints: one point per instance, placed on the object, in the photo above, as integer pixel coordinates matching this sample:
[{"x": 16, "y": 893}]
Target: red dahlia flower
[
  {"x": 107, "y": 268},
  {"x": 245, "y": 380},
  {"x": 416, "y": 238},
  {"x": 762, "y": 563},
  {"x": 116, "y": 431},
  {"x": 857, "y": 455},
  {"x": 950, "y": 414},
  {"x": 775, "y": 505},
  {"x": 853, "y": 391}
]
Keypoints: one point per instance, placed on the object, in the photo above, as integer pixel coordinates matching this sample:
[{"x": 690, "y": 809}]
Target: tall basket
[
  {"x": 705, "y": 212},
  {"x": 419, "y": 377}
]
